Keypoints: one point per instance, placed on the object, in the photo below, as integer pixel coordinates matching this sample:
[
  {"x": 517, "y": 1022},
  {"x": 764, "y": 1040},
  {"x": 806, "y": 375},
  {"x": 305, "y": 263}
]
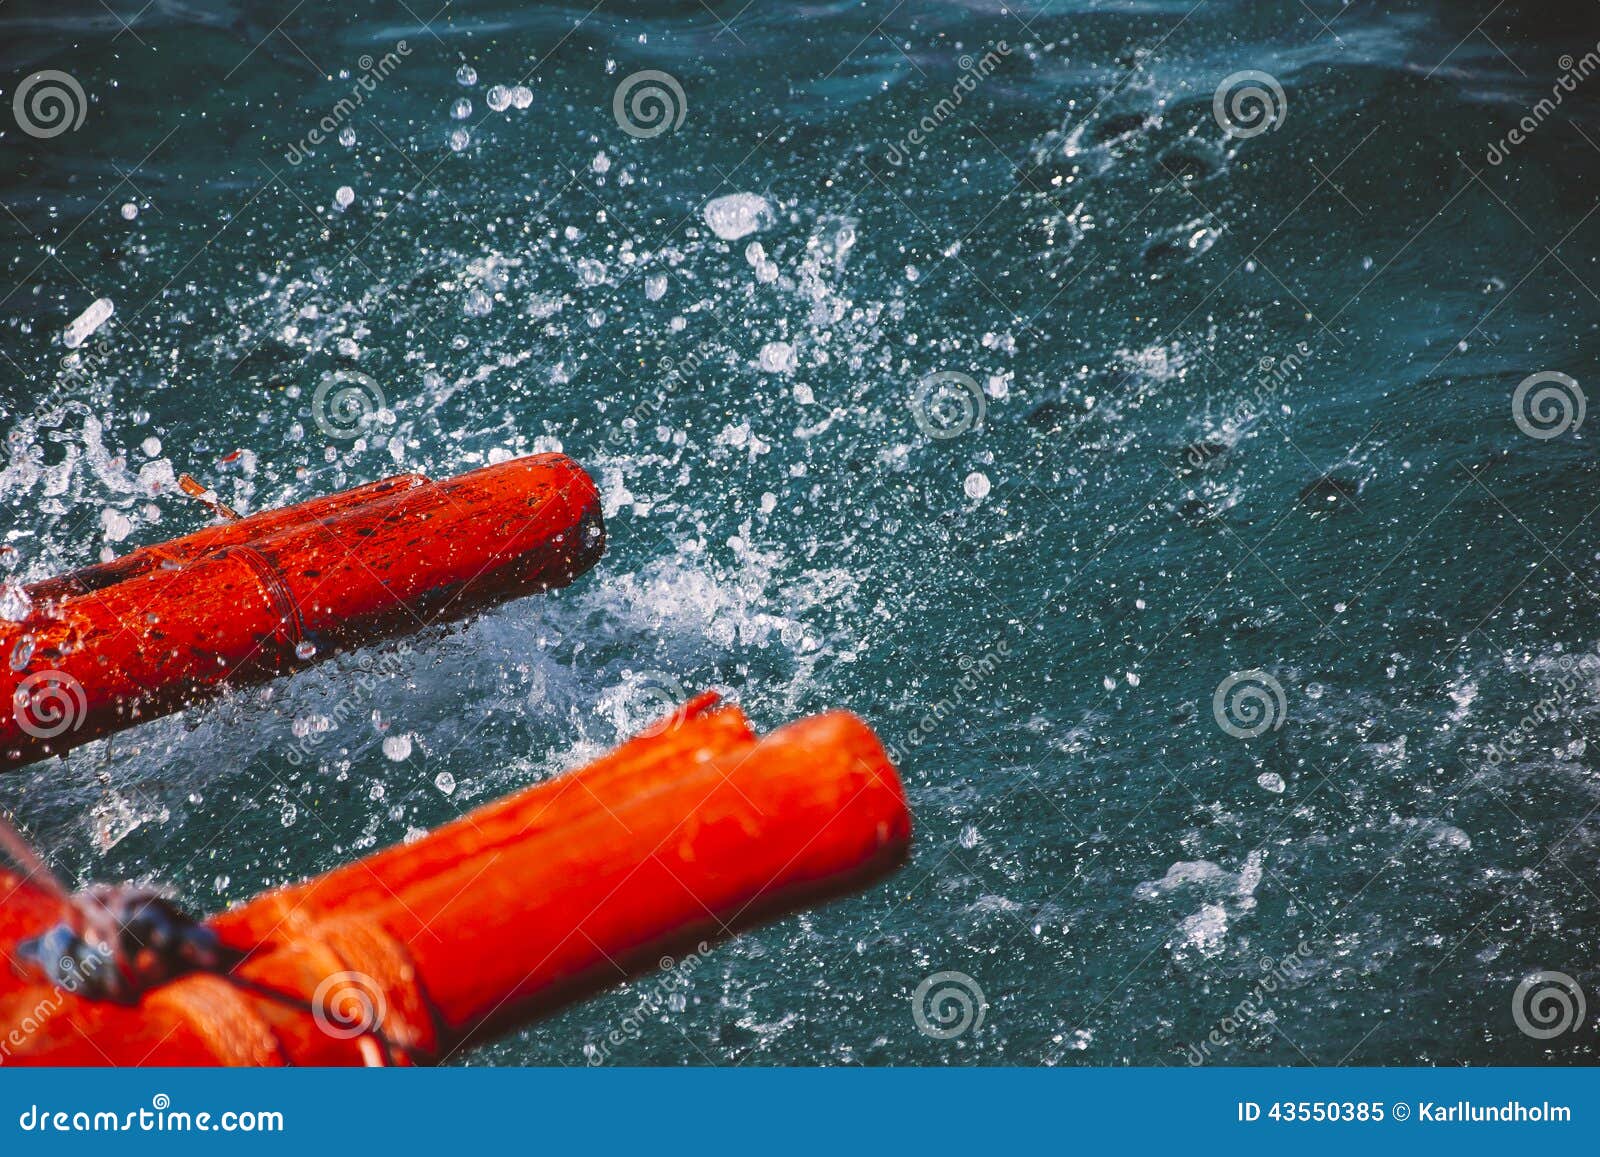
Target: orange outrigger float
[
  {"x": 250, "y": 599},
  {"x": 688, "y": 832}
]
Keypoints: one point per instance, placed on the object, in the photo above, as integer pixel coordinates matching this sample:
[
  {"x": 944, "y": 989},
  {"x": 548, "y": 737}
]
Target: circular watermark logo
[
  {"x": 49, "y": 103},
  {"x": 1548, "y": 404},
  {"x": 645, "y": 703},
  {"x": 649, "y": 103},
  {"x": 1249, "y": 103},
  {"x": 948, "y": 404},
  {"x": 343, "y": 401},
  {"x": 1249, "y": 703},
  {"x": 948, "y": 1004},
  {"x": 49, "y": 703},
  {"x": 348, "y": 1004},
  {"x": 1548, "y": 1004}
]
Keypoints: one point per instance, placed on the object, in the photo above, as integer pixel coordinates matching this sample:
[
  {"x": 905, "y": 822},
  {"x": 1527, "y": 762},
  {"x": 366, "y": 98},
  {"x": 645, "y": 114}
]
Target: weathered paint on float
[
  {"x": 688, "y": 832},
  {"x": 242, "y": 602}
]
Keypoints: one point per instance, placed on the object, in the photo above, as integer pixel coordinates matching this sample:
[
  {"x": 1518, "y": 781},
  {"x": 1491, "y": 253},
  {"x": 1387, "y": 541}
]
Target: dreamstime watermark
[
  {"x": 1275, "y": 374},
  {"x": 160, "y": 1117},
  {"x": 1573, "y": 73},
  {"x": 1276, "y": 975},
  {"x": 81, "y": 365},
  {"x": 976, "y": 671},
  {"x": 1249, "y": 703},
  {"x": 344, "y": 401},
  {"x": 49, "y": 703},
  {"x": 948, "y": 404},
  {"x": 682, "y": 370},
  {"x": 71, "y": 974},
  {"x": 1547, "y": 1004},
  {"x": 619, "y": 434},
  {"x": 644, "y": 704},
  {"x": 1574, "y": 668},
  {"x": 947, "y": 1005},
  {"x": 649, "y": 103},
  {"x": 340, "y": 115},
  {"x": 1249, "y": 103},
  {"x": 972, "y": 71},
  {"x": 1548, "y": 404},
  {"x": 365, "y": 679},
  {"x": 49, "y": 103},
  {"x": 347, "y": 1005},
  {"x": 666, "y": 991}
]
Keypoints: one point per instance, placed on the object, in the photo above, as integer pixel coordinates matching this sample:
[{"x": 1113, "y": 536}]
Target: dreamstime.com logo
[
  {"x": 649, "y": 103},
  {"x": 160, "y": 1117},
  {"x": 49, "y": 103},
  {"x": 947, "y": 1005},
  {"x": 343, "y": 401},
  {"x": 1548, "y": 404},
  {"x": 1548, "y": 1004},
  {"x": 1249, "y": 703},
  {"x": 49, "y": 703},
  {"x": 1249, "y": 103},
  {"x": 948, "y": 404},
  {"x": 348, "y": 1004}
]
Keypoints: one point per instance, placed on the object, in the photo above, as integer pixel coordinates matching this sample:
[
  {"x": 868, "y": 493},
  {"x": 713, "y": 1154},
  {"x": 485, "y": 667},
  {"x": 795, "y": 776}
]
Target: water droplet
[
  {"x": 344, "y": 197},
  {"x": 777, "y": 357},
  {"x": 976, "y": 485},
  {"x": 83, "y": 326},
  {"x": 498, "y": 98},
  {"x": 397, "y": 747},
  {"x": 305, "y": 649},
  {"x": 445, "y": 782},
  {"x": 738, "y": 215},
  {"x": 461, "y": 109},
  {"x": 459, "y": 139},
  {"x": 130, "y": 211},
  {"x": 14, "y": 603},
  {"x": 466, "y": 76}
]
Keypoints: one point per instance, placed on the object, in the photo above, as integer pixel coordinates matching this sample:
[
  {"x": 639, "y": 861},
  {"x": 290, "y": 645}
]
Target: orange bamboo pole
[
  {"x": 687, "y": 833},
  {"x": 246, "y": 601}
]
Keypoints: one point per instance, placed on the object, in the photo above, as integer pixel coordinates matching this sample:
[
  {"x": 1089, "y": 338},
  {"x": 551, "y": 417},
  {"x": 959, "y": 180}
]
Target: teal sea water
[{"x": 1147, "y": 465}]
